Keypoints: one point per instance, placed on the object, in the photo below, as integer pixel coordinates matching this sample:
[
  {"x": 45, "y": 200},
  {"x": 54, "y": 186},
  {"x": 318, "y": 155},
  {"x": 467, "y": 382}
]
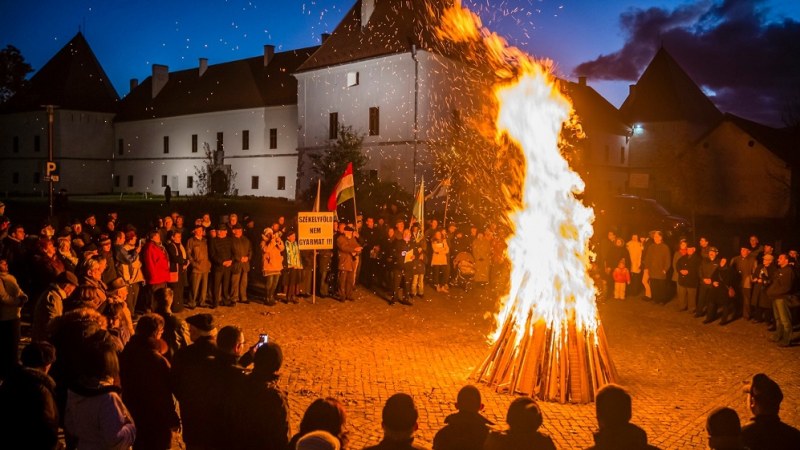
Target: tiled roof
[
  {"x": 72, "y": 79},
  {"x": 594, "y": 111},
  {"x": 393, "y": 27},
  {"x": 245, "y": 83},
  {"x": 665, "y": 92}
]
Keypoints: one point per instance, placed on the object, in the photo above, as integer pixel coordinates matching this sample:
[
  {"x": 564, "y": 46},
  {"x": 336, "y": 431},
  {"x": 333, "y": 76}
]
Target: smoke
[{"x": 745, "y": 59}]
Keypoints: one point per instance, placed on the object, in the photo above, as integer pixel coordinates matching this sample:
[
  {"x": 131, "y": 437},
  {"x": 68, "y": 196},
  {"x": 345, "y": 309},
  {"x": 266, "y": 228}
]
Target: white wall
[{"x": 144, "y": 156}]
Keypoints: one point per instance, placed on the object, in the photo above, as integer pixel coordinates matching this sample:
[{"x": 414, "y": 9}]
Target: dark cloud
[{"x": 733, "y": 48}]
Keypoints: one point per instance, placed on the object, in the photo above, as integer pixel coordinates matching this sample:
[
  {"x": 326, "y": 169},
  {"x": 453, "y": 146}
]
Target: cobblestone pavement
[{"x": 361, "y": 352}]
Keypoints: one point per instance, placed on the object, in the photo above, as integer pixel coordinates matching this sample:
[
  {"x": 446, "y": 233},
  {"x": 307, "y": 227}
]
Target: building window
[
  {"x": 194, "y": 143},
  {"x": 117, "y": 179},
  {"x": 190, "y": 182},
  {"x": 15, "y": 178},
  {"x": 273, "y": 138},
  {"x": 120, "y": 147},
  {"x": 36, "y": 177},
  {"x": 373, "y": 174},
  {"x": 281, "y": 183},
  {"x": 622, "y": 155},
  {"x": 254, "y": 182},
  {"x": 352, "y": 79},
  {"x": 163, "y": 181},
  {"x": 220, "y": 146},
  {"x": 333, "y": 125},
  {"x": 130, "y": 180},
  {"x": 374, "y": 121},
  {"x": 245, "y": 139},
  {"x": 166, "y": 144},
  {"x": 15, "y": 145},
  {"x": 37, "y": 143}
]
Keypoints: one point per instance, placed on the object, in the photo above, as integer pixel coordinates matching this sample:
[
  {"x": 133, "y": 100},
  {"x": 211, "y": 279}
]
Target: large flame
[{"x": 548, "y": 320}]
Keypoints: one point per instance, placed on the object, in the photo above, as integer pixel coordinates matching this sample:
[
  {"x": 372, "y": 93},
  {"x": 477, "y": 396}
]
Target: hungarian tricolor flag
[{"x": 344, "y": 190}]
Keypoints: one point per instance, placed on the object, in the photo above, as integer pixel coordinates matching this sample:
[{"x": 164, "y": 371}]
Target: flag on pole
[
  {"x": 316, "y": 201},
  {"x": 344, "y": 190},
  {"x": 440, "y": 190},
  {"x": 418, "y": 212}
]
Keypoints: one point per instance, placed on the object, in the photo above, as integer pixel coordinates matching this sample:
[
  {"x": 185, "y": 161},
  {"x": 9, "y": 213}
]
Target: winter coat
[
  {"x": 657, "y": 261},
  {"x": 29, "y": 413},
  {"x": 627, "y": 436},
  {"x": 347, "y": 253},
  {"x": 293, "y": 255},
  {"x": 176, "y": 334},
  {"x": 241, "y": 248},
  {"x": 440, "y": 252},
  {"x": 621, "y": 275},
  {"x": 762, "y": 278},
  {"x": 11, "y": 297},
  {"x": 262, "y": 414},
  {"x": 99, "y": 420},
  {"x": 635, "y": 250},
  {"x": 690, "y": 263},
  {"x": 192, "y": 381},
  {"x": 197, "y": 253},
  {"x": 177, "y": 257},
  {"x": 155, "y": 263},
  {"x": 49, "y": 305},
  {"x": 129, "y": 264},
  {"x": 144, "y": 374},
  {"x": 532, "y": 440},
  {"x": 782, "y": 284},
  {"x": 90, "y": 294},
  {"x": 272, "y": 256},
  {"x": 767, "y": 432},
  {"x": 462, "y": 431}
]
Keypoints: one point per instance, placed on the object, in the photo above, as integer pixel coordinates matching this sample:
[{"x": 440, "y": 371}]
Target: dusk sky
[{"x": 744, "y": 52}]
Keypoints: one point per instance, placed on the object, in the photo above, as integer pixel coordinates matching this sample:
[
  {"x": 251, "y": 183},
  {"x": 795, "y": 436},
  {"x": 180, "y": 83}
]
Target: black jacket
[
  {"x": 767, "y": 432},
  {"x": 192, "y": 383},
  {"x": 28, "y": 413},
  {"x": 692, "y": 264},
  {"x": 463, "y": 431},
  {"x": 627, "y": 436},
  {"x": 262, "y": 414}
]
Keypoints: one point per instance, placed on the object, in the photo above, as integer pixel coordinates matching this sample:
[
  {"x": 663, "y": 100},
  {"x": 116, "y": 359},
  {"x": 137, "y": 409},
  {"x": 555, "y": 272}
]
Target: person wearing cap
[
  {"x": 743, "y": 265},
  {"x": 220, "y": 249},
  {"x": 50, "y": 304},
  {"x": 200, "y": 266},
  {"x": 242, "y": 253},
  {"x": 191, "y": 382},
  {"x": 90, "y": 227},
  {"x": 399, "y": 423},
  {"x": 762, "y": 277},
  {"x": 29, "y": 414},
  {"x": 766, "y": 431},
  {"x": 724, "y": 430},
  {"x": 294, "y": 266},
  {"x": 779, "y": 293},
  {"x": 105, "y": 251},
  {"x": 348, "y": 250}
]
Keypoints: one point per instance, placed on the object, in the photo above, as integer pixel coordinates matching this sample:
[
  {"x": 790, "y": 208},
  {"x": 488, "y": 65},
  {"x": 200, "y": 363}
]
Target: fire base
[{"x": 565, "y": 366}]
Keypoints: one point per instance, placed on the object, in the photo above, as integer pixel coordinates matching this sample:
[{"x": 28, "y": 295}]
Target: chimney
[
  {"x": 582, "y": 81},
  {"x": 325, "y": 37},
  {"x": 631, "y": 88},
  {"x": 203, "y": 66},
  {"x": 134, "y": 83},
  {"x": 160, "y": 78},
  {"x": 367, "y": 8},
  {"x": 269, "y": 53}
]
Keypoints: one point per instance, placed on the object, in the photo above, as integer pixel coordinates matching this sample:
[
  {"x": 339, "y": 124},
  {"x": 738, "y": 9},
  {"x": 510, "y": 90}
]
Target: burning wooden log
[{"x": 556, "y": 363}]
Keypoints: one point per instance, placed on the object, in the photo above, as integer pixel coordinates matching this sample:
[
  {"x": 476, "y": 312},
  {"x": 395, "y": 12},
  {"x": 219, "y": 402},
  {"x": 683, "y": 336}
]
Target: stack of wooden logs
[{"x": 558, "y": 363}]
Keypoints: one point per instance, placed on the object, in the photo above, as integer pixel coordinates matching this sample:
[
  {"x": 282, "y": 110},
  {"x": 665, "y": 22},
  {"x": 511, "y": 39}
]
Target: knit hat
[
  {"x": 203, "y": 322},
  {"x": 318, "y": 440}
]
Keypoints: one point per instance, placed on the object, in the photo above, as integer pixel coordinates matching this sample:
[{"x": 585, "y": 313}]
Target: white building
[
  {"x": 83, "y": 135},
  {"x": 244, "y": 111}
]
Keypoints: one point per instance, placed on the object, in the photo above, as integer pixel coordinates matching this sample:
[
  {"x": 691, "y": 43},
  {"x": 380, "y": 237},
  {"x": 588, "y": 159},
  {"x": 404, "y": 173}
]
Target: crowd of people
[
  {"x": 109, "y": 359},
  {"x": 757, "y": 284}
]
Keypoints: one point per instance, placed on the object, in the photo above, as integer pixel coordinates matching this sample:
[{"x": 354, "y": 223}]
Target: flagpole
[
  {"x": 314, "y": 264},
  {"x": 355, "y": 227},
  {"x": 446, "y": 201}
]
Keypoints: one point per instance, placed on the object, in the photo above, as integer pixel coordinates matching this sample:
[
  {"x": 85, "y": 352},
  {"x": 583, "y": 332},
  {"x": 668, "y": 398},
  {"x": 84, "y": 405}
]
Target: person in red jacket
[{"x": 155, "y": 265}]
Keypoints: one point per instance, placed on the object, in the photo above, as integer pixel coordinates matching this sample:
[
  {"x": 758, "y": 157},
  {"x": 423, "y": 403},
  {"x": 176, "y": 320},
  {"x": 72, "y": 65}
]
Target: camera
[{"x": 262, "y": 339}]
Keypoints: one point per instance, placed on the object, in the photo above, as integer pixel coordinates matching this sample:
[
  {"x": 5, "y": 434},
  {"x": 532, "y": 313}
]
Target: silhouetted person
[
  {"x": 29, "y": 413},
  {"x": 613, "y": 407},
  {"x": 318, "y": 440},
  {"x": 262, "y": 408},
  {"x": 167, "y": 194},
  {"x": 399, "y": 422},
  {"x": 467, "y": 429},
  {"x": 724, "y": 430},
  {"x": 765, "y": 430},
  {"x": 524, "y": 419},
  {"x": 323, "y": 414}
]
